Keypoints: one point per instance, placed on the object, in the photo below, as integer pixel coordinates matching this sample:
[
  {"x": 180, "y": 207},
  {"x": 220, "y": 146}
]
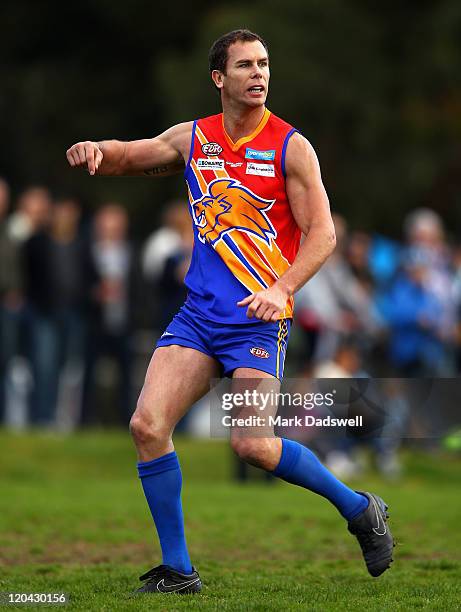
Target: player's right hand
[{"x": 86, "y": 154}]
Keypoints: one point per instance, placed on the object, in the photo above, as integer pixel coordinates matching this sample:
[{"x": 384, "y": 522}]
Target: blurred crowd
[
  {"x": 79, "y": 300},
  {"x": 72, "y": 288},
  {"x": 384, "y": 308},
  {"x": 389, "y": 310}
]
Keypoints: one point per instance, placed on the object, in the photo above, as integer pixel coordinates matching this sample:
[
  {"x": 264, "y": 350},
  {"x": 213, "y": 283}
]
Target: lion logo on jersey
[{"x": 228, "y": 206}]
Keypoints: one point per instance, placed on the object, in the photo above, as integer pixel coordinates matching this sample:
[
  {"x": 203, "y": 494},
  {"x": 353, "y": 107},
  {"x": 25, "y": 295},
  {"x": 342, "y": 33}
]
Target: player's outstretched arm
[
  {"x": 311, "y": 210},
  {"x": 160, "y": 156}
]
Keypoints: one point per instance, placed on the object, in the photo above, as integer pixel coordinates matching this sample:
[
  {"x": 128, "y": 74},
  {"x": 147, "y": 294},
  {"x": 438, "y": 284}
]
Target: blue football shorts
[{"x": 257, "y": 345}]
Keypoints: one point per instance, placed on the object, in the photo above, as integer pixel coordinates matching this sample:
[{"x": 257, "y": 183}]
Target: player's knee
[
  {"x": 147, "y": 431},
  {"x": 250, "y": 450},
  {"x": 138, "y": 427}
]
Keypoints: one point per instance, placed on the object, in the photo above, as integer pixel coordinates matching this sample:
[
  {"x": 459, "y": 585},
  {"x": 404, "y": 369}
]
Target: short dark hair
[{"x": 217, "y": 57}]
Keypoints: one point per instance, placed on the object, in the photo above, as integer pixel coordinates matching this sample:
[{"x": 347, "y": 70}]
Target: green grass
[{"x": 73, "y": 519}]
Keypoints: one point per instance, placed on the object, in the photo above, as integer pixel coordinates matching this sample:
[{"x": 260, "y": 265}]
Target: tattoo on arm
[{"x": 157, "y": 170}]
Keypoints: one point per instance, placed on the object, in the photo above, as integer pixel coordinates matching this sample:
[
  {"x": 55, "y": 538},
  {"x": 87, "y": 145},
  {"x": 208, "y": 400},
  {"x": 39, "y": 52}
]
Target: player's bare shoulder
[
  {"x": 305, "y": 190},
  {"x": 300, "y": 156}
]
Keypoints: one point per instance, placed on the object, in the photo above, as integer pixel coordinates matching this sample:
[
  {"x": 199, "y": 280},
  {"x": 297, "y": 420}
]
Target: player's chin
[{"x": 255, "y": 101}]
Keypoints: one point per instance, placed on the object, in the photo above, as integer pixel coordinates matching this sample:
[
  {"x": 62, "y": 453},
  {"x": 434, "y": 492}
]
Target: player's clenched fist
[{"x": 85, "y": 154}]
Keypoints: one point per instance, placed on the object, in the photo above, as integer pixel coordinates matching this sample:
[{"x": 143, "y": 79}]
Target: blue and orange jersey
[{"x": 245, "y": 235}]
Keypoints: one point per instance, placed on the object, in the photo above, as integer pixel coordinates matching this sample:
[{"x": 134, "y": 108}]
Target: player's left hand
[{"x": 267, "y": 304}]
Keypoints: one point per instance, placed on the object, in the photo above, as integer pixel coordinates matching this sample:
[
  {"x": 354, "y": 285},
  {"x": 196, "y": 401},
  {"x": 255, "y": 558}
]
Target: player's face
[{"x": 247, "y": 73}]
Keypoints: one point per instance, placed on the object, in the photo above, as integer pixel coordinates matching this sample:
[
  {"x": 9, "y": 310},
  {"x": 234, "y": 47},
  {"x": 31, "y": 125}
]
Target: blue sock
[
  {"x": 161, "y": 480},
  {"x": 298, "y": 465}
]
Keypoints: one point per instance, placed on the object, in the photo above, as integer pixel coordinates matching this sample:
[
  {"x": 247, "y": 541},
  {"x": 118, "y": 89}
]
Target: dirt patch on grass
[
  {"x": 18, "y": 550},
  {"x": 76, "y": 552}
]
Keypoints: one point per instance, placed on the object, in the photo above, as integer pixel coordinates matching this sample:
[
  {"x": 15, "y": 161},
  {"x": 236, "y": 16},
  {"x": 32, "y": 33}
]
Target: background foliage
[{"x": 375, "y": 86}]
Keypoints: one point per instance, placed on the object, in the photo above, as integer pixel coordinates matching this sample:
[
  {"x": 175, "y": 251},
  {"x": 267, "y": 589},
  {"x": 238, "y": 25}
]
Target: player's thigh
[
  {"x": 260, "y": 391},
  {"x": 176, "y": 378}
]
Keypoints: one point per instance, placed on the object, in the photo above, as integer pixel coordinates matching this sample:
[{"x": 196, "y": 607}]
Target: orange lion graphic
[{"x": 228, "y": 206}]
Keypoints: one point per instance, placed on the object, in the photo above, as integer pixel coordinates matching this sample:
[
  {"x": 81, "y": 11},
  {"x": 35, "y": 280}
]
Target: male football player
[{"x": 254, "y": 187}]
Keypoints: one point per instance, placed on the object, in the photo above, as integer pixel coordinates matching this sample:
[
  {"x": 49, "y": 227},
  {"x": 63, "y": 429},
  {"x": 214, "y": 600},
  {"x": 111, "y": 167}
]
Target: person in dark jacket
[
  {"x": 57, "y": 280},
  {"x": 113, "y": 260}
]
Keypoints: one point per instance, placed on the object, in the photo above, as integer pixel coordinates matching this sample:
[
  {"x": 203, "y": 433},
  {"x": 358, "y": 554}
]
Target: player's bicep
[
  {"x": 150, "y": 156},
  {"x": 159, "y": 156},
  {"x": 305, "y": 190}
]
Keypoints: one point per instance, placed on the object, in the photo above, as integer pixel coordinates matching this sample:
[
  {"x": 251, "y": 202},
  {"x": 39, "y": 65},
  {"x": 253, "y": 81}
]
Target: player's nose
[
  {"x": 257, "y": 76},
  {"x": 257, "y": 72}
]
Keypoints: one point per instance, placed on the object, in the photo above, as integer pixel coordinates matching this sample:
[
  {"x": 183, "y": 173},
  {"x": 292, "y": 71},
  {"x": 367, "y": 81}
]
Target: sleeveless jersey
[{"x": 245, "y": 235}]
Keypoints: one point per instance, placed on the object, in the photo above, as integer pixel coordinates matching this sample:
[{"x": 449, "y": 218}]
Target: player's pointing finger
[
  {"x": 247, "y": 300},
  {"x": 89, "y": 155},
  {"x": 252, "y": 308}
]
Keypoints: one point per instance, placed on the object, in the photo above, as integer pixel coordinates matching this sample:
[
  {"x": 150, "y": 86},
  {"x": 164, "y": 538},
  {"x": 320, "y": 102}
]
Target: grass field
[{"x": 73, "y": 519}]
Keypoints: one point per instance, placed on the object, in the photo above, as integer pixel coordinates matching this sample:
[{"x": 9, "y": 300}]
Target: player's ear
[{"x": 217, "y": 77}]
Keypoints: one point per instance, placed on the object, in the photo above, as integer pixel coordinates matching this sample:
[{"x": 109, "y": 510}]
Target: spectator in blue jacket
[{"x": 414, "y": 314}]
